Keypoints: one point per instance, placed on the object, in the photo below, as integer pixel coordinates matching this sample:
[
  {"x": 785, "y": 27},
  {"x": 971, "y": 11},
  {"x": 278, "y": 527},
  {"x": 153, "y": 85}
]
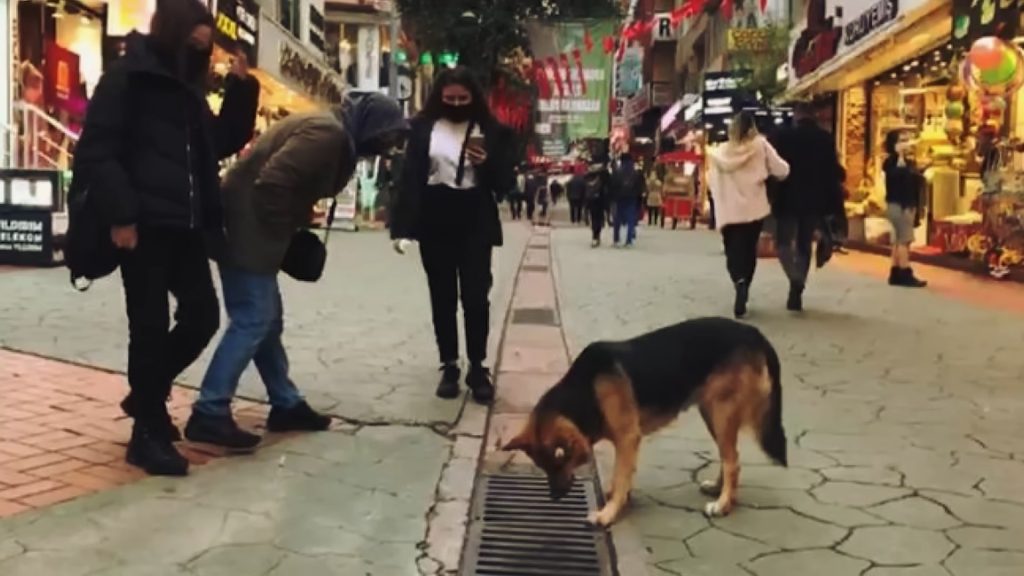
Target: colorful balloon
[
  {"x": 986, "y": 52},
  {"x": 954, "y": 110}
]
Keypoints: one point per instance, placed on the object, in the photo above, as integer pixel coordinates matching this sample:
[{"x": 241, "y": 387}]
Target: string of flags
[{"x": 562, "y": 68}]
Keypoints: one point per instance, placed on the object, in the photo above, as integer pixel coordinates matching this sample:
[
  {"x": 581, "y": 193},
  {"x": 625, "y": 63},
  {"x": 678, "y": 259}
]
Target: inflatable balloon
[
  {"x": 954, "y": 110},
  {"x": 986, "y": 52}
]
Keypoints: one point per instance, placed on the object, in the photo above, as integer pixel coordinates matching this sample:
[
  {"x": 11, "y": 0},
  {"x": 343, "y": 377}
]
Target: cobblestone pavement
[
  {"x": 360, "y": 341},
  {"x": 903, "y": 411},
  {"x": 384, "y": 494}
]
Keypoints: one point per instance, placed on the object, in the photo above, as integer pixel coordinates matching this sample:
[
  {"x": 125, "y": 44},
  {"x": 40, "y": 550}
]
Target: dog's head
[{"x": 556, "y": 446}]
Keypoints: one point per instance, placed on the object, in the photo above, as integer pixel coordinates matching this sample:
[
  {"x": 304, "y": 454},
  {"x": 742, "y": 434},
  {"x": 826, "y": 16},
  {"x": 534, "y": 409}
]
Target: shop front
[{"x": 893, "y": 65}]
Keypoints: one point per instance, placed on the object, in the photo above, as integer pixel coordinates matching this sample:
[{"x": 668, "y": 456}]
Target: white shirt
[{"x": 445, "y": 147}]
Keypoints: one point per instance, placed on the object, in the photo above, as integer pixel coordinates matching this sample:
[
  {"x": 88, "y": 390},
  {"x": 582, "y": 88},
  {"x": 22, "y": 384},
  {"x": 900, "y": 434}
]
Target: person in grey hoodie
[{"x": 268, "y": 196}]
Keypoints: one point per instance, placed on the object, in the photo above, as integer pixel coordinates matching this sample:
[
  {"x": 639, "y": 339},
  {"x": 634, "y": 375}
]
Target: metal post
[{"x": 396, "y": 30}]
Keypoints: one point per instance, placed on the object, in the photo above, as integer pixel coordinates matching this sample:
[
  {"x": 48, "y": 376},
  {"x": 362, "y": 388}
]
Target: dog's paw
[
  {"x": 716, "y": 510},
  {"x": 709, "y": 488},
  {"x": 600, "y": 519}
]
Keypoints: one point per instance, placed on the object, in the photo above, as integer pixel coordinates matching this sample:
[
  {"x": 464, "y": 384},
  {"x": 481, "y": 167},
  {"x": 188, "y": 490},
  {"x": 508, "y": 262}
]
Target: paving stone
[
  {"x": 915, "y": 571},
  {"x": 895, "y": 545},
  {"x": 233, "y": 560},
  {"x": 980, "y": 511},
  {"x": 778, "y": 478},
  {"x": 966, "y": 562},
  {"x": 663, "y": 522},
  {"x": 916, "y": 512},
  {"x": 987, "y": 538},
  {"x": 807, "y": 562},
  {"x": 715, "y": 545},
  {"x": 802, "y": 503},
  {"x": 850, "y": 494},
  {"x": 781, "y": 529},
  {"x": 863, "y": 475},
  {"x": 702, "y": 567}
]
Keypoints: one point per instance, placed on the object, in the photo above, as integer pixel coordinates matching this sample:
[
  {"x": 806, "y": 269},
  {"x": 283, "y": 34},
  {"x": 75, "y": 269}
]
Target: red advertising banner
[{"x": 61, "y": 80}]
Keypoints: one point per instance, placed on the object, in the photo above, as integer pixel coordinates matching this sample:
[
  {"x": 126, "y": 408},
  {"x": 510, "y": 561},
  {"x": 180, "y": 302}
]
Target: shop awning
[{"x": 909, "y": 35}]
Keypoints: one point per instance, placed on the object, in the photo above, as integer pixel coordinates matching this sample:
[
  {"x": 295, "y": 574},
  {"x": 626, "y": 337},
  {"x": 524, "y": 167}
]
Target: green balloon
[
  {"x": 1001, "y": 73},
  {"x": 954, "y": 110}
]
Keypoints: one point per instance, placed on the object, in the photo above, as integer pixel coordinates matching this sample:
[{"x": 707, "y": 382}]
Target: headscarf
[
  {"x": 170, "y": 28},
  {"x": 368, "y": 116}
]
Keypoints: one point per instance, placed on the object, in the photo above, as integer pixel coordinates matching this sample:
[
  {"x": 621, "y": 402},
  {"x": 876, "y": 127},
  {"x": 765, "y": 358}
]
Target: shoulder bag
[{"x": 307, "y": 254}]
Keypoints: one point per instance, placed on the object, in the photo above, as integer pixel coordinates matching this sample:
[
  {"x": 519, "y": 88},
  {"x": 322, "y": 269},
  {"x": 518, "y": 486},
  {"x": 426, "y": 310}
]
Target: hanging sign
[
  {"x": 62, "y": 76},
  {"x": 665, "y": 27},
  {"x": 238, "y": 25},
  {"x": 877, "y": 15}
]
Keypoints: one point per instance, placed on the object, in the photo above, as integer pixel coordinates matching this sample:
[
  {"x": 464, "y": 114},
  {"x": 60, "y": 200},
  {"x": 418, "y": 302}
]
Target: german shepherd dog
[{"x": 622, "y": 391}]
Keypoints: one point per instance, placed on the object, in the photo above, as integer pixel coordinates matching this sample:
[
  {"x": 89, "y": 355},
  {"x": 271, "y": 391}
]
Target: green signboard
[{"x": 578, "y": 75}]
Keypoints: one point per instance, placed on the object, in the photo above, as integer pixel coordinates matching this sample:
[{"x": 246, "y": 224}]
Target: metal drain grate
[
  {"x": 517, "y": 530},
  {"x": 542, "y": 316}
]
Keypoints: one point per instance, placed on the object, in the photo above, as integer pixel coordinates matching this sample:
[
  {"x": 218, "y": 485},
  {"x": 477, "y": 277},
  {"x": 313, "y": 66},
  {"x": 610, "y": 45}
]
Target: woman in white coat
[{"x": 739, "y": 171}]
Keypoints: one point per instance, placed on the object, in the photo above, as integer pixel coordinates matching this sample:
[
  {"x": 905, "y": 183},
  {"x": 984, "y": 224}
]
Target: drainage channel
[{"x": 517, "y": 530}]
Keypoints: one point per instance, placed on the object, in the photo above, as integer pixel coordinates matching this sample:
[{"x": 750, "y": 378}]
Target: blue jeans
[
  {"x": 625, "y": 213},
  {"x": 253, "y": 303}
]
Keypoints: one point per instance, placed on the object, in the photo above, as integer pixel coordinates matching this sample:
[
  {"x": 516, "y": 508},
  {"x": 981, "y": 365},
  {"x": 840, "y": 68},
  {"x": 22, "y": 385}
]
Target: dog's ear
[{"x": 519, "y": 442}]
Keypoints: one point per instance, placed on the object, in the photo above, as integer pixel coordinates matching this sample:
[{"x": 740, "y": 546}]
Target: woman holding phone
[
  {"x": 902, "y": 196},
  {"x": 458, "y": 168}
]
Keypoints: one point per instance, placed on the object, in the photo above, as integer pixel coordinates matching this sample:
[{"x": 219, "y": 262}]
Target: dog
[{"x": 623, "y": 391}]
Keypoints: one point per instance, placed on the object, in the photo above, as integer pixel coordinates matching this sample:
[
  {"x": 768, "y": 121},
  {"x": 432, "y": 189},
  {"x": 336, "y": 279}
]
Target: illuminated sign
[{"x": 238, "y": 25}]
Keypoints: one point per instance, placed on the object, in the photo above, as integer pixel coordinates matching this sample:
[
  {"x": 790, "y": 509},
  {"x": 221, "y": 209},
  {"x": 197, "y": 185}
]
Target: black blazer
[{"x": 496, "y": 178}]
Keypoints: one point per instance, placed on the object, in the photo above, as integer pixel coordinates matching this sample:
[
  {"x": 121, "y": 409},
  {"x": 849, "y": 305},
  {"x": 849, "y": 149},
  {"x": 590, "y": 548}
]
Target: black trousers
[
  {"x": 741, "y": 249},
  {"x": 516, "y": 204},
  {"x": 575, "y": 211},
  {"x": 165, "y": 262},
  {"x": 531, "y": 204},
  {"x": 457, "y": 260},
  {"x": 794, "y": 238},
  {"x": 597, "y": 216},
  {"x": 655, "y": 216}
]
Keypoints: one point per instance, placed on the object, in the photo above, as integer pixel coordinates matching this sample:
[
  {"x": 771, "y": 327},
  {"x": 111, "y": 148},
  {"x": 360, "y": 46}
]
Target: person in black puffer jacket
[{"x": 148, "y": 157}]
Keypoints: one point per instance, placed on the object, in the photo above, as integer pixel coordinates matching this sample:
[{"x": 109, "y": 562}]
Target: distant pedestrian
[
  {"x": 517, "y": 195},
  {"x": 148, "y": 157},
  {"x": 812, "y": 194},
  {"x": 903, "y": 184},
  {"x": 534, "y": 180},
  {"x": 575, "y": 192},
  {"x": 454, "y": 182},
  {"x": 595, "y": 198},
  {"x": 739, "y": 169},
  {"x": 268, "y": 197},
  {"x": 626, "y": 190},
  {"x": 654, "y": 199},
  {"x": 557, "y": 191},
  {"x": 543, "y": 200}
]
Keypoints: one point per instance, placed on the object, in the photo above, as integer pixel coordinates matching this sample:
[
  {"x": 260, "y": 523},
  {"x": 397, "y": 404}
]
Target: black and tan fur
[{"x": 623, "y": 391}]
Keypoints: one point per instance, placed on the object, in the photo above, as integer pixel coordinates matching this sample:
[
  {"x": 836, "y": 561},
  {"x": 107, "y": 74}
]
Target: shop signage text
[
  {"x": 663, "y": 29},
  {"x": 748, "y": 39},
  {"x": 880, "y": 13},
  {"x": 26, "y": 238},
  {"x": 308, "y": 74},
  {"x": 238, "y": 22}
]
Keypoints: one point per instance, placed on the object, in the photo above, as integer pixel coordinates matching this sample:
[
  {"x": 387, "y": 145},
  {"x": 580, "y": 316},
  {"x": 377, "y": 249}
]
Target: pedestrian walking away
[
  {"x": 903, "y": 183},
  {"x": 576, "y": 190},
  {"x": 268, "y": 197},
  {"x": 596, "y": 200},
  {"x": 459, "y": 167},
  {"x": 148, "y": 157},
  {"x": 517, "y": 195},
  {"x": 654, "y": 199},
  {"x": 534, "y": 180},
  {"x": 626, "y": 189},
  {"x": 739, "y": 169},
  {"x": 812, "y": 194}
]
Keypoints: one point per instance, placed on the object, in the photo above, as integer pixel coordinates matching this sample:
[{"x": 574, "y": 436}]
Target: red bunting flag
[
  {"x": 579, "y": 68},
  {"x": 608, "y": 44},
  {"x": 588, "y": 40},
  {"x": 564, "y": 61},
  {"x": 540, "y": 77},
  {"x": 553, "y": 64}
]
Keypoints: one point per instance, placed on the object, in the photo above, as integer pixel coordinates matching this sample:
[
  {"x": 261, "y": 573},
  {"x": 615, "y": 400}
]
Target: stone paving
[
  {"x": 903, "y": 411},
  {"x": 385, "y": 493}
]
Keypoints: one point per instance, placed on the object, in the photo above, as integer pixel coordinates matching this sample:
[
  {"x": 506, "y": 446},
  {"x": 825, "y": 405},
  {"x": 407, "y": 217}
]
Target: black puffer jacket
[{"x": 150, "y": 145}]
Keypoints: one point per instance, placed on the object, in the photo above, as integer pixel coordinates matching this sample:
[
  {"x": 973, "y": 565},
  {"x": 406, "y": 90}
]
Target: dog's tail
[{"x": 772, "y": 434}]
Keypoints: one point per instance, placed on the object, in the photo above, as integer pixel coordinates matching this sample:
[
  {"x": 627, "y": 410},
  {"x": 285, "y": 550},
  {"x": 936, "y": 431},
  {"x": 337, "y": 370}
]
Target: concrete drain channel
[{"x": 517, "y": 530}]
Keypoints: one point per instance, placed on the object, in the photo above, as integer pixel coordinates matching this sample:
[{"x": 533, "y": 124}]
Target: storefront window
[{"x": 289, "y": 15}]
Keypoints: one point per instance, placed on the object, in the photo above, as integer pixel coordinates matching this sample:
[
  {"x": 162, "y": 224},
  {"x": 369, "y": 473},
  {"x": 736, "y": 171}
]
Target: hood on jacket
[
  {"x": 730, "y": 157},
  {"x": 367, "y": 117}
]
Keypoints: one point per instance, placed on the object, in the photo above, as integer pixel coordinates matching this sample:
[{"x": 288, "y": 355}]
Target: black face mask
[
  {"x": 458, "y": 114},
  {"x": 197, "y": 62}
]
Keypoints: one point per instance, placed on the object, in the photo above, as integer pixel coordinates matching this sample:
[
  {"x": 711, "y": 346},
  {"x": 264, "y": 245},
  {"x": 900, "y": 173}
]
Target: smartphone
[{"x": 476, "y": 139}]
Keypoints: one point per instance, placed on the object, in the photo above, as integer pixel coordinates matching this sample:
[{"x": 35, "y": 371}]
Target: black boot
[
  {"x": 448, "y": 387},
  {"x": 795, "y": 303},
  {"x": 479, "y": 382},
  {"x": 906, "y": 279},
  {"x": 164, "y": 426},
  {"x": 300, "y": 418},
  {"x": 154, "y": 453},
  {"x": 739, "y": 308},
  {"x": 220, "y": 431},
  {"x": 895, "y": 275}
]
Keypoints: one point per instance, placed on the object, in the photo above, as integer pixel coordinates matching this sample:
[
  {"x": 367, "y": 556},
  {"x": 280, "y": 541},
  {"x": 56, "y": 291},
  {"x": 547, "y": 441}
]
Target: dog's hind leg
[
  {"x": 709, "y": 487},
  {"x": 726, "y": 436}
]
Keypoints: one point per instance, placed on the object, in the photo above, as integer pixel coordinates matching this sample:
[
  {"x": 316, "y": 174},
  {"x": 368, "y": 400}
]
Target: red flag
[
  {"x": 553, "y": 64},
  {"x": 764, "y": 5},
  {"x": 540, "y": 77},
  {"x": 564, "y": 61},
  {"x": 588, "y": 40},
  {"x": 609, "y": 44},
  {"x": 727, "y": 9},
  {"x": 579, "y": 68}
]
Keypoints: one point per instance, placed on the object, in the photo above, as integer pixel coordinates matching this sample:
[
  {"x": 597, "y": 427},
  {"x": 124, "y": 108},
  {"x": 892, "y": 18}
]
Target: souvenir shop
[{"x": 928, "y": 67}]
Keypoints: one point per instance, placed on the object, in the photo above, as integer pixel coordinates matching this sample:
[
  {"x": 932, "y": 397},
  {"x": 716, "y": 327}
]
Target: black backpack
[{"x": 89, "y": 253}]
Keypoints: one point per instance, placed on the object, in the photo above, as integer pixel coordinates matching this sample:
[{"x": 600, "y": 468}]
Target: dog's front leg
[{"x": 626, "y": 450}]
